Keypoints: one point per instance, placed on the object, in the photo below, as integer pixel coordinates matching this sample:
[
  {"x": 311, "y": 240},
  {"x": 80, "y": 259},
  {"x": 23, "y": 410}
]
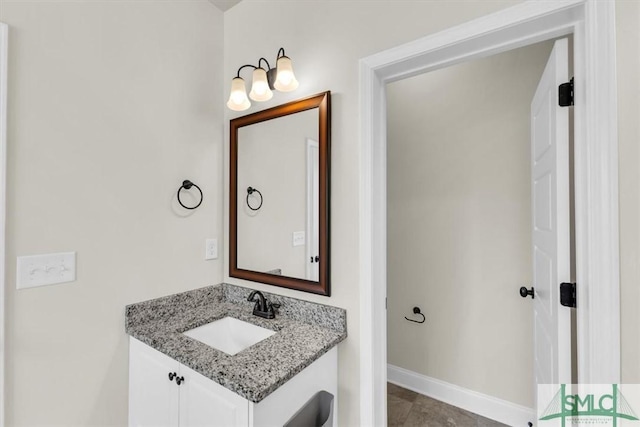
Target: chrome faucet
[{"x": 263, "y": 308}]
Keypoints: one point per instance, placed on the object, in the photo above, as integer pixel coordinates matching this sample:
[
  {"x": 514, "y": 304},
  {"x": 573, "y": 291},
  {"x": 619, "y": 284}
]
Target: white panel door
[
  {"x": 551, "y": 240},
  {"x": 153, "y": 397},
  {"x": 313, "y": 209},
  {"x": 206, "y": 403}
]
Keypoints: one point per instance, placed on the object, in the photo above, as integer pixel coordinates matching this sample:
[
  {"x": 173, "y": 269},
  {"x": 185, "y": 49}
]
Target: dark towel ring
[
  {"x": 416, "y": 310},
  {"x": 250, "y": 191},
  {"x": 186, "y": 184}
]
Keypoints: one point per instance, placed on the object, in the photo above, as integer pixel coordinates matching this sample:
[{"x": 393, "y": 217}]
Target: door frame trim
[
  {"x": 4, "y": 47},
  {"x": 592, "y": 24}
]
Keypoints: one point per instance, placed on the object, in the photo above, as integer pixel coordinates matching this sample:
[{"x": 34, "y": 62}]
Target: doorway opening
[
  {"x": 596, "y": 175},
  {"x": 460, "y": 240}
]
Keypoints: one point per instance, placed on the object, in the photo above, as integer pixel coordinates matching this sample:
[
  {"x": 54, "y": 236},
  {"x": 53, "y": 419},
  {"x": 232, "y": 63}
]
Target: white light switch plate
[
  {"x": 298, "y": 238},
  {"x": 211, "y": 249},
  {"x": 47, "y": 269}
]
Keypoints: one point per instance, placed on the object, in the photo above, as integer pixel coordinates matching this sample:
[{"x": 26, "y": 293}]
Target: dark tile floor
[{"x": 408, "y": 409}]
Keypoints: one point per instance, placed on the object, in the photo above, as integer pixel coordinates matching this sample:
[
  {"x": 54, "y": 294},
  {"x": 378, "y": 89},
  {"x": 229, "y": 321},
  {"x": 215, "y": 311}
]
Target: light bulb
[
  {"x": 238, "y": 100},
  {"x": 285, "y": 79},
  {"x": 260, "y": 87}
]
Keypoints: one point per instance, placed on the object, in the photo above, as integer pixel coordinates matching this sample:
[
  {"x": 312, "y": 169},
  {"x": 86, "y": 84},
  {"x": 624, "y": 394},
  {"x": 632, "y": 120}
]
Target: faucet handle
[{"x": 273, "y": 307}]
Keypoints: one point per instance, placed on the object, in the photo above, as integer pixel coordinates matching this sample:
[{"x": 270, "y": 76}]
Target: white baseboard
[{"x": 489, "y": 407}]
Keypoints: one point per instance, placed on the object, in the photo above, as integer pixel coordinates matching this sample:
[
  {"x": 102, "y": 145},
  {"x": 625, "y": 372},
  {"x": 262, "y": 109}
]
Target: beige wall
[
  {"x": 459, "y": 223},
  {"x": 111, "y": 106},
  {"x": 272, "y": 156},
  {"x": 628, "y": 32}
]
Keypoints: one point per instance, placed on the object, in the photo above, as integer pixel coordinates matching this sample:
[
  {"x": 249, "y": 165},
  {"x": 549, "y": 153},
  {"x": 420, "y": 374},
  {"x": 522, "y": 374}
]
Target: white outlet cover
[
  {"x": 298, "y": 238},
  {"x": 211, "y": 249},
  {"x": 46, "y": 269}
]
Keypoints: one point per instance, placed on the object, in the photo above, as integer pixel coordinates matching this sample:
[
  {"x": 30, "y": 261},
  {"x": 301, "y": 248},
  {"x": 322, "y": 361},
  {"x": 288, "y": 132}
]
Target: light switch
[
  {"x": 298, "y": 238},
  {"x": 48, "y": 269},
  {"x": 211, "y": 249}
]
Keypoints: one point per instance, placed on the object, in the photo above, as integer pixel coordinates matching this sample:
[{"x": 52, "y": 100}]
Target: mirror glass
[
  {"x": 279, "y": 195},
  {"x": 277, "y": 223}
]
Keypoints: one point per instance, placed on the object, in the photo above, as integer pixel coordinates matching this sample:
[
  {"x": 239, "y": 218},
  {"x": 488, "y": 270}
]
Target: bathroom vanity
[
  {"x": 210, "y": 357},
  {"x": 261, "y": 374}
]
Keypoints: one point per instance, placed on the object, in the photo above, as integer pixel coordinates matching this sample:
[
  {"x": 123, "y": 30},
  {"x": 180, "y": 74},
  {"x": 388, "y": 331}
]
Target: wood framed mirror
[{"x": 279, "y": 195}]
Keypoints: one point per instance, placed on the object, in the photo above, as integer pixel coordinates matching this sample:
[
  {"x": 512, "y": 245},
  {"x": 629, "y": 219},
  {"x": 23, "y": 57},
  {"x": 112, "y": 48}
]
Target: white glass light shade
[
  {"x": 260, "y": 87},
  {"x": 238, "y": 100},
  {"x": 285, "y": 79}
]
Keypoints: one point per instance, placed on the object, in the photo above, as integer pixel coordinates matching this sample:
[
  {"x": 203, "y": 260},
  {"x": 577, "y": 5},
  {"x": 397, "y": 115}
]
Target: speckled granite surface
[{"x": 305, "y": 331}]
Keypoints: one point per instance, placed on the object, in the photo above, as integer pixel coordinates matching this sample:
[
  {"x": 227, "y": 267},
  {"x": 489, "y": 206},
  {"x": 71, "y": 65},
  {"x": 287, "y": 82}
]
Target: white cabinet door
[
  {"x": 205, "y": 403},
  {"x": 153, "y": 397}
]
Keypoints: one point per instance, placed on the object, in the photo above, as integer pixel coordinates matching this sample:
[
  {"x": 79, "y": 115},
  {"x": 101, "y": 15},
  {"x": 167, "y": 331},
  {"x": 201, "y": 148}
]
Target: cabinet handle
[
  {"x": 179, "y": 380},
  {"x": 172, "y": 375}
]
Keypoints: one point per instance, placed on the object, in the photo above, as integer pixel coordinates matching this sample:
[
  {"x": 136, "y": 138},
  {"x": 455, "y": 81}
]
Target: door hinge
[
  {"x": 565, "y": 94},
  {"x": 385, "y": 303},
  {"x": 568, "y": 294}
]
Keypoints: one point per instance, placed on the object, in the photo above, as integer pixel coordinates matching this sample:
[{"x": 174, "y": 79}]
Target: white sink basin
[{"x": 229, "y": 335}]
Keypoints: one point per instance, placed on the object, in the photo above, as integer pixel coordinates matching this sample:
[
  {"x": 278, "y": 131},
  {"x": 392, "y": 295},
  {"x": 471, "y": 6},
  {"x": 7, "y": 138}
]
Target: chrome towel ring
[{"x": 186, "y": 184}]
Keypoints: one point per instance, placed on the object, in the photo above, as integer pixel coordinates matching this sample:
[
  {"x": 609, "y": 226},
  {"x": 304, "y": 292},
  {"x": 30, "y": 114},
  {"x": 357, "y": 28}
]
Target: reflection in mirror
[
  {"x": 279, "y": 188},
  {"x": 279, "y": 237}
]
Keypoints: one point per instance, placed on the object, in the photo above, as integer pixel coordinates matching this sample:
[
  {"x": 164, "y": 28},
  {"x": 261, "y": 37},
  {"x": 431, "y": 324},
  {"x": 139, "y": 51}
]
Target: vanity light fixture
[{"x": 264, "y": 81}]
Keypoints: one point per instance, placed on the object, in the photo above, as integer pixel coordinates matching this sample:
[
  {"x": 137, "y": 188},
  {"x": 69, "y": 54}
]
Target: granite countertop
[{"x": 304, "y": 332}]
